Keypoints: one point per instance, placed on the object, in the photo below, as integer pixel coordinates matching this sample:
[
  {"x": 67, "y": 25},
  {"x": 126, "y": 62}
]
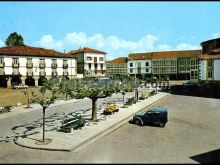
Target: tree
[
  {"x": 14, "y": 39},
  {"x": 46, "y": 96},
  {"x": 94, "y": 91},
  {"x": 28, "y": 95},
  {"x": 125, "y": 87},
  {"x": 66, "y": 88}
]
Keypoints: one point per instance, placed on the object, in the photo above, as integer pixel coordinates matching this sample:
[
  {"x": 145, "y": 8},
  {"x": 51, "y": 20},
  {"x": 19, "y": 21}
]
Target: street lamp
[{"x": 136, "y": 69}]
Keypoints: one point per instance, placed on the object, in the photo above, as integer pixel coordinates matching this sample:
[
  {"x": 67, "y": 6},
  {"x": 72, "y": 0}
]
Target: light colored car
[
  {"x": 144, "y": 96},
  {"x": 111, "y": 108},
  {"x": 20, "y": 86}
]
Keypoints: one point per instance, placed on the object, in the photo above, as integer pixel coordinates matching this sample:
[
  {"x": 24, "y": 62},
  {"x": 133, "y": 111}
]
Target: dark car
[{"x": 158, "y": 115}]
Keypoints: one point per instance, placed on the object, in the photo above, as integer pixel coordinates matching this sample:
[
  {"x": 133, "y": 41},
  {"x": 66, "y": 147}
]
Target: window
[
  {"x": 101, "y": 59},
  {"x": 147, "y": 64},
  {"x": 147, "y": 70},
  {"x": 89, "y": 58},
  {"x": 131, "y": 70},
  {"x": 54, "y": 61},
  {"x": 101, "y": 66},
  {"x": 15, "y": 60},
  {"x": 131, "y": 64},
  {"x": 90, "y": 66},
  {"x": 95, "y": 66},
  {"x": 1, "y": 60},
  {"x": 210, "y": 74},
  {"x": 209, "y": 63}
]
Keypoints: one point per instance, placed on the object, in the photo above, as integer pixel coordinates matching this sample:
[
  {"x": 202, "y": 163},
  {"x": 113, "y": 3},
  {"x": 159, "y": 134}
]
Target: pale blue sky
[{"x": 118, "y": 28}]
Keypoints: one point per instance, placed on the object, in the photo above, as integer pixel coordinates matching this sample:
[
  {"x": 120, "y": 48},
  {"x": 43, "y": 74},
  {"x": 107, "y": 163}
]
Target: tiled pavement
[{"x": 80, "y": 138}]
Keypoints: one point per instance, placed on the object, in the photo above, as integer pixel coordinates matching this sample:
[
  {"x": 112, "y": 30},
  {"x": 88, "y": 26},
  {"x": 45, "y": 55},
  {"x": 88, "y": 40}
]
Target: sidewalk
[{"x": 79, "y": 139}]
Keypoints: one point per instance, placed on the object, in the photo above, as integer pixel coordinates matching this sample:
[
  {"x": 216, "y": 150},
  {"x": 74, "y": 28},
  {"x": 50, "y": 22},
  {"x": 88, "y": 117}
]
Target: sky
[{"x": 117, "y": 28}]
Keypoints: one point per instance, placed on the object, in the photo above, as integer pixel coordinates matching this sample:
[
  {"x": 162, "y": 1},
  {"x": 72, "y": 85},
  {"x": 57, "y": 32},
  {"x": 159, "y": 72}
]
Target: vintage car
[
  {"x": 111, "y": 108},
  {"x": 144, "y": 96},
  {"x": 157, "y": 115}
]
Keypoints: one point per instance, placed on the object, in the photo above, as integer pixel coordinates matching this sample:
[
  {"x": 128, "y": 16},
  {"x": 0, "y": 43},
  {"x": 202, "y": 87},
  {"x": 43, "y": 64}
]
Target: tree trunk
[
  {"x": 44, "y": 124},
  {"x": 123, "y": 99},
  {"x": 28, "y": 103},
  {"x": 66, "y": 96},
  {"x": 94, "y": 110}
]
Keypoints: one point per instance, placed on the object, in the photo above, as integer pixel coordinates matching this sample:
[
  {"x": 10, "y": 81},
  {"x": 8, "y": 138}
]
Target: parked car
[
  {"x": 144, "y": 96},
  {"x": 20, "y": 86},
  {"x": 111, "y": 108},
  {"x": 158, "y": 115},
  {"x": 190, "y": 82}
]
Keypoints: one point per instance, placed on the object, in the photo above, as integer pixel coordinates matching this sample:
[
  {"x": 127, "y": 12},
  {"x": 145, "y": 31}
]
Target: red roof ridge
[
  {"x": 86, "y": 50},
  {"x": 25, "y": 50}
]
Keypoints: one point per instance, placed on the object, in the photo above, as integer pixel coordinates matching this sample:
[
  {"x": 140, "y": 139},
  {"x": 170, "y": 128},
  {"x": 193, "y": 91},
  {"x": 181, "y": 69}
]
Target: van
[{"x": 157, "y": 115}]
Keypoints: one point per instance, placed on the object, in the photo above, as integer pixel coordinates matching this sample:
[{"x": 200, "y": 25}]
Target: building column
[
  {"x": 23, "y": 80},
  {"x": 9, "y": 82},
  {"x": 36, "y": 81}
]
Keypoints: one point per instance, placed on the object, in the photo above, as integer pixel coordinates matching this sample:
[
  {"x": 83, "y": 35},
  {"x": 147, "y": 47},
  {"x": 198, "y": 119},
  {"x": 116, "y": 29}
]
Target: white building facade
[
  {"x": 142, "y": 67},
  {"x": 90, "y": 62},
  {"x": 30, "y": 66}
]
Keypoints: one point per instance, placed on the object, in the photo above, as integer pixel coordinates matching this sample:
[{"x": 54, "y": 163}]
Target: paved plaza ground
[{"x": 190, "y": 136}]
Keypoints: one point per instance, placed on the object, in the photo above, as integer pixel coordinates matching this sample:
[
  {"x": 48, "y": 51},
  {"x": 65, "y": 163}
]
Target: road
[
  {"x": 192, "y": 129},
  {"x": 29, "y": 117}
]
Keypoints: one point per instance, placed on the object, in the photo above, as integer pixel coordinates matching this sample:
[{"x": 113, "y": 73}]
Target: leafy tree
[
  {"x": 94, "y": 92},
  {"x": 66, "y": 88},
  {"x": 46, "y": 96},
  {"x": 14, "y": 39}
]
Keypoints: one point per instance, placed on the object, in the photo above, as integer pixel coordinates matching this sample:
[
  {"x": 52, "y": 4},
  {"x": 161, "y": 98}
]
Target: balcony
[
  {"x": 2, "y": 72},
  {"x": 15, "y": 72},
  {"x": 53, "y": 65},
  {"x": 54, "y": 74},
  {"x": 29, "y": 65},
  {"x": 42, "y": 73},
  {"x": 65, "y": 66},
  {"x": 29, "y": 74},
  {"x": 2, "y": 65},
  {"x": 65, "y": 73},
  {"x": 42, "y": 65},
  {"x": 15, "y": 65}
]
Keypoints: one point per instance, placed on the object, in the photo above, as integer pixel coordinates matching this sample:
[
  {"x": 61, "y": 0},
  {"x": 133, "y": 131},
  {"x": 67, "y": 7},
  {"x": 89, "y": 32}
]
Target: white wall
[
  {"x": 22, "y": 67},
  {"x": 217, "y": 69},
  {"x": 23, "y": 70},
  {"x": 135, "y": 66},
  {"x": 36, "y": 69},
  {"x": 203, "y": 71}
]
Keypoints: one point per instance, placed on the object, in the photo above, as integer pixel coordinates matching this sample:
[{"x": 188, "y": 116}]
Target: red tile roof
[
  {"x": 32, "y": 51},
  {"x": 86, "y": 50},
  {"x": 165, "y": 54},
  {"x": 118, "y": 60}
]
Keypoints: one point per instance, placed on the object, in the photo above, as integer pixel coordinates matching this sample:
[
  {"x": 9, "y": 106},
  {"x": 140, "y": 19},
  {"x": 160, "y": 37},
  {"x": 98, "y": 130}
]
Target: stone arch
[
  {"x": 30, "y": 81},
  {"x": 3, "y": 81},
  {"x": 16, "y": 80},
  {"x": 41, "y": 81}
]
